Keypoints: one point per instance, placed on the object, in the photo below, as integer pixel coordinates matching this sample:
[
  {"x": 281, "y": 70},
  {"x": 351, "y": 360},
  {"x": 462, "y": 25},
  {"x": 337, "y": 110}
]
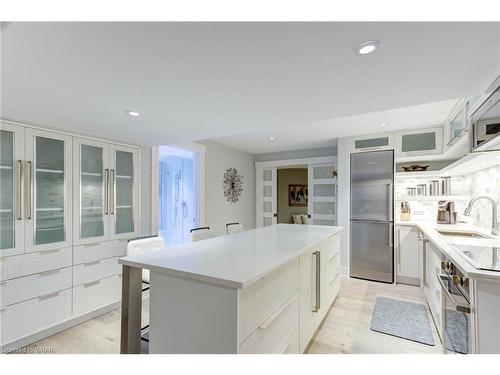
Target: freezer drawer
[{"x": 372, "y": 250}]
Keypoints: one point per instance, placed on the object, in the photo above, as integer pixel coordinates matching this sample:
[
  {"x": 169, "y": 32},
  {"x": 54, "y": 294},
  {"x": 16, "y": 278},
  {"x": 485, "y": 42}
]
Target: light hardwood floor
[{"x": 346, "y": 328}]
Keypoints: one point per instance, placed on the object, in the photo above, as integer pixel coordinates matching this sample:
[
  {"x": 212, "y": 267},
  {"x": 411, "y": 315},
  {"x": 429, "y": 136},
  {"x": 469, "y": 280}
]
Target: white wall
[
  {"x": 344, "y": 199},
  {"x": 218, "y": 211}
]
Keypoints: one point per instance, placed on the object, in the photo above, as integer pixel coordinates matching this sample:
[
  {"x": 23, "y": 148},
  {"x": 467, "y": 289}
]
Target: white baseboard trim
[{"x": 52, "y": 330}]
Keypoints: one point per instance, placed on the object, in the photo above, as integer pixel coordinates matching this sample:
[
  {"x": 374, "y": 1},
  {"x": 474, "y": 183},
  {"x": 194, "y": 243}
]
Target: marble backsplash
[{"x": 482, "y": 182}]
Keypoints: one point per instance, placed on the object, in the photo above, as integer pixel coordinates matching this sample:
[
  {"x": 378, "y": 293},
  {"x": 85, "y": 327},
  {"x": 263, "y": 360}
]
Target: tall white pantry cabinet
[{"x": 68, "y": 205}]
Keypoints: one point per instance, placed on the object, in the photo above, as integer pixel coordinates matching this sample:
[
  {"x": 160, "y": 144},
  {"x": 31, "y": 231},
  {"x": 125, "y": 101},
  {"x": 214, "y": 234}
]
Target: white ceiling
[
  {"x": 194, "y": 81},
  {"x": 325, "y": 133}
]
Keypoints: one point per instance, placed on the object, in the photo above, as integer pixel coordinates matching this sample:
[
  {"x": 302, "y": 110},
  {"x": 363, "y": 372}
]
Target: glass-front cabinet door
[
  {"x": 11, "y": 189},
  {"x": 123, "y": 192},
  {"x": 91, "y": 186},
  {"x": 47, "y": 190}
]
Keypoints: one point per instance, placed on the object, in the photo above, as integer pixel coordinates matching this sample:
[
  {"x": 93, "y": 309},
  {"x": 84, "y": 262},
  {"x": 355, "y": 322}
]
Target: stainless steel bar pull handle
[
  {"x": 19, "y": 189},
  {"x": 106, "y": 191},
  {"x": 317, "y": 304},
  {"x": 389, "y": 201},
  {"x": 112, "y": 192},
  {"x": 29, "y": 190}
]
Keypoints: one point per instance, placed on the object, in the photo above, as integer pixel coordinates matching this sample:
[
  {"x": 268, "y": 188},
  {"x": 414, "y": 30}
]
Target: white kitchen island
[{"x": 264, "y": 290}]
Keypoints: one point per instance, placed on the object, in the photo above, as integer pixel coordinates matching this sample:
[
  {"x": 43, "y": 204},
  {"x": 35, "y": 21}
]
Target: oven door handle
[{"x": 459, "y": 307}]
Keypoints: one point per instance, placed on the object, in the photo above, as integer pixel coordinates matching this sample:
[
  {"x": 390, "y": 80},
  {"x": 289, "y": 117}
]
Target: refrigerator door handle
[
  {"x": 391, "y": 235},
  {"x": 389, "y": 201}
]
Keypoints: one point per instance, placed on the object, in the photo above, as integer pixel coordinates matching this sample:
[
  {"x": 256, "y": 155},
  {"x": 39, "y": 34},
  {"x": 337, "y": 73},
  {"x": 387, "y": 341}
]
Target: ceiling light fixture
[
  {"x": 382, "y": 124},
  {"x": 133, "y": 113},
  {"x": 271, "y": 138},
  {"x": 366, "y": 47}
]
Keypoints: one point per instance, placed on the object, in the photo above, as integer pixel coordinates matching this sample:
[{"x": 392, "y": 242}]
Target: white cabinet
[
  {"x": 11, "y": 189},
  {"x": 432, "y": 288},
  {"x": 419, "y": 142},
  {"x": 319, "y": 286},
  {"x": 373, "y": 142},
  {"x": 67, "y": 207},
  {"x": 36, "y": 190},
  {"x": 123, "y": 192},
  {"x": 407, "y": 255},
  {"x": 106, "y": 191}
]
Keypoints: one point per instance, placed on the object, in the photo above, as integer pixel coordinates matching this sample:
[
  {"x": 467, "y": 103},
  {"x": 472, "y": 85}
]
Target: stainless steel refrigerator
[{"x": 372, "y": 225}]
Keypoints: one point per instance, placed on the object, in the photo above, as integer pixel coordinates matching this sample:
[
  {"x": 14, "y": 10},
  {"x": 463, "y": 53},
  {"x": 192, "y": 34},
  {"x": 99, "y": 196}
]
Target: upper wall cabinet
[
  {"x": 106, "y": 191},
  {"x": 456, "y": 125},
  {"x": 48, "y": 190},
  {"x": 124, "y": 192},
  {"x": 372, "y": 142},
  {"x": 419, "y": 142},
  {"x": 11, "y": 190},
  {"x": 36, "y": 191}
]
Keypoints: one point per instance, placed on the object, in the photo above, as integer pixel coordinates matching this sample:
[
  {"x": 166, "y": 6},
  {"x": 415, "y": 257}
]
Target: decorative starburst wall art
[{"x": 233, "y": 185}]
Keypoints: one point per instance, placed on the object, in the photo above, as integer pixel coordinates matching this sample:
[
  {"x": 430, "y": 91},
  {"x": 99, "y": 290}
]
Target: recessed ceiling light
[
  {"x": 382, "y": 124},
  {"x": 133, "y": 113},
  {"x": 366, "y": 47},
  {"x": 271, "y": 138}
]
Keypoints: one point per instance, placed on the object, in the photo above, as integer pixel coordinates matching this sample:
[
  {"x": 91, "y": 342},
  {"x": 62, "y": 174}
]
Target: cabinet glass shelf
[
  {"x": 91, "y": 191},
  {"x": 7, "y": 227},
  {"x": 49, "y": 190},
  {"x": 124, "y": 192}
]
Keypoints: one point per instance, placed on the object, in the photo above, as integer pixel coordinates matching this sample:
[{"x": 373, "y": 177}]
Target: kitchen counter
[
  {"x": 445, "y": 244},
  {"x": 264, "y": 290},
  {"x": 235, "y": 260}
]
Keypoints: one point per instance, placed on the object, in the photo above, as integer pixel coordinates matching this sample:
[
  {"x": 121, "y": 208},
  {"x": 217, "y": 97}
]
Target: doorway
[
  {"x": 292, "y": 194},
  {"x": 177, "y": 195}
]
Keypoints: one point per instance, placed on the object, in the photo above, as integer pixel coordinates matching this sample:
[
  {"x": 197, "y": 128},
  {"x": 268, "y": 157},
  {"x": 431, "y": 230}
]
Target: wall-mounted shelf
[{"x": 430, "y": 198}]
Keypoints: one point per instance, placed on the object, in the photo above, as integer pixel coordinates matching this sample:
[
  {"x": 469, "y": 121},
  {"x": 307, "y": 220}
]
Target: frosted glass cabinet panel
[
  {"x": 123, "y": 191},
  {"x": 106, "y": 191},
  {"x": 91, "y": 179},
  {"x": 421, "y": 141},
  {"x": 48, "y": 190},
  {"x": 11, "y": 163}
]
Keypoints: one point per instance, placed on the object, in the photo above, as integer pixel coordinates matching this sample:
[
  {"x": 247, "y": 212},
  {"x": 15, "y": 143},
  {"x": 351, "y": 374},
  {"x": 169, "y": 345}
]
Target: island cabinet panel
[
  {"x": 278, "y": 334},
  {"x": 319, "y": 285},
  {"x": 272, "y": 300},
  {"x": 265, "y": 298}
]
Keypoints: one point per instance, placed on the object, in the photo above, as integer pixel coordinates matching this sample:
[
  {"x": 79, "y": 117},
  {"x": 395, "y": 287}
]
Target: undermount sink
[{"x": 448, "y": 233}]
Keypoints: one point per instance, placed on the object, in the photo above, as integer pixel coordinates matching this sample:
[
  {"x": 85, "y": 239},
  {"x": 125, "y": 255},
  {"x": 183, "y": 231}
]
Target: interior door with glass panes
[
  {"x": 11, "y": 189},
  {"x": 322, "y": 200},
  {"x": 48, "y": 190},
  {"x": 123, "y": 192},
  {"x": 91, "y": 186},
  {"x": 269, "y": 192}
]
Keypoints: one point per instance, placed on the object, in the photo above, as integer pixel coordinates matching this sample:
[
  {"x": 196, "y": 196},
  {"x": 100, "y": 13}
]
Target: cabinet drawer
[
  {"x": 28, "y": 287},
  {"x": 28, "y": 317},
  {"x": 96, "y": 294},
  {"x": 261, "y": 299},
  {"x": 99, "y": 250},
  {"x": 278, "y": 334},
  {"x": 100, "y": 269},
  {"x": 31, "y": 263}
]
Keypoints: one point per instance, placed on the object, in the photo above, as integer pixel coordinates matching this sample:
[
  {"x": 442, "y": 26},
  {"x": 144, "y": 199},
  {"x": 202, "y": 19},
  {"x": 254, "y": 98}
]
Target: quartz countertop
[
  {"x": 234, "y": 260},
  {"x": 445, "y": 244}
]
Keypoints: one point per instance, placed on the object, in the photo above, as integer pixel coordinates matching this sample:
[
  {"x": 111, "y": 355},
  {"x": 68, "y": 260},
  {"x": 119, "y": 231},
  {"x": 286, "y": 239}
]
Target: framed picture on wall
[{"x": 297, "y": 195}]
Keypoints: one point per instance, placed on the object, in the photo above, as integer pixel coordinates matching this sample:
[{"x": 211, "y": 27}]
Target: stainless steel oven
[
  {"x": 456, "y": 310},
  {"x": 485, "y": 121}
]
